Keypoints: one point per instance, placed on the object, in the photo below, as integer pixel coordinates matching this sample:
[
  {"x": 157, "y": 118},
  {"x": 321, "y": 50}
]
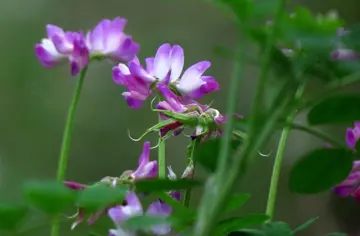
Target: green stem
[
  {"x": 190, "y": 163},
  {"x": 270, "y": 207},
  {"x": 161, "y": 158},
  {"x": 65, "y": 146},
  {"x": 226, "y": 176}
]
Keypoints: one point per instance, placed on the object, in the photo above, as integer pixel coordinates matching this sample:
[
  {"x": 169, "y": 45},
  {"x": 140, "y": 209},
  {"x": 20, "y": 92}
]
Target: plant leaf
[
  {"x": 101, "y": 196},
  {"x": 11, "y": 215},
  {"x": 337, "y": 109},
  {"x": 306, "y": 224},
  {"x": 158, "y": 185},
  {"x": 277, "y": 229},
  {"x": 51, "y": 197},
  {"x": 236, "y": 201},
  {"x": 237, "y": 223},
  {"x": 320, "y": 169}
]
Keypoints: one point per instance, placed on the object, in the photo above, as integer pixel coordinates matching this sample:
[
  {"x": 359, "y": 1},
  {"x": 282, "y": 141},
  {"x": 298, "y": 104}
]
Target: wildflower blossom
[
  {"x": 166, "y": 67},
  {"x": 353, "y": 135},
  {"x": 350, "y": 187},
  {"x": 133, "y": 208},
  {"x": 107, "y": 40},
  {"x": 146, "y": 168},
  {"x": 59, "y": 46}
]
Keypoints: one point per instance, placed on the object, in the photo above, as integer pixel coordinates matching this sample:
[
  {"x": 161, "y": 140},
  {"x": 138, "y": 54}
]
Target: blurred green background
[{"x": 34, "y": 101}]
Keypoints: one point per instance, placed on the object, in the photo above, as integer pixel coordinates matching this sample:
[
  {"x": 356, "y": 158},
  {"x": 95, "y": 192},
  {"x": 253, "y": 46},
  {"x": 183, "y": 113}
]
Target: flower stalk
[
  {"x": 275, "y": 176},
  {"x": 65, "y": 146}
]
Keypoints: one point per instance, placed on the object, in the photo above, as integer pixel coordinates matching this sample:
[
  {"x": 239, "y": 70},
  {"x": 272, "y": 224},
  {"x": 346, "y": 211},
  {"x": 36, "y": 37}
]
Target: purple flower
[
  {"x": 133, "y": 208},
  {"x": 108, "y": 40},
  {"x": 59, "y": 46},
  {"x": 350, "y": 186},
  {"x": 344, "y": 55},
  {"x": 166, "y": 68},
  {"x": 138, "y": 89},
  {"x": 353, "y": 135},
  {"x": 146, "y": 168}
]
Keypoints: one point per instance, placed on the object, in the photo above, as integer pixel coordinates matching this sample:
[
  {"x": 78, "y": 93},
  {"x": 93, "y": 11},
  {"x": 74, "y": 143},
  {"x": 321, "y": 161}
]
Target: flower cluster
[
  {"x": 106, "y": 40},
  {"x": 164, "y": 77},
  {"x": 131, "y": 206},
  {"x": 350, "y": 187}
]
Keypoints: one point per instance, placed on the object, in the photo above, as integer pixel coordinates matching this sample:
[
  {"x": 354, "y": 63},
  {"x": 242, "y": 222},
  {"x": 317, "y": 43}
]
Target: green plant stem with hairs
[
  {"x": 161, "y": 158},
  {"x": 65, "y": 146},
  {"x": 226, "y": 175},
  {"x": 191, "y": 162},
  {"x": 270, "y": 207}
]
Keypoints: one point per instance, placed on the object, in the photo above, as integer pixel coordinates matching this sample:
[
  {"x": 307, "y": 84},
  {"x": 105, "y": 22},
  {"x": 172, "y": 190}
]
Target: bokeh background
[{"x": 34, "y": 101}]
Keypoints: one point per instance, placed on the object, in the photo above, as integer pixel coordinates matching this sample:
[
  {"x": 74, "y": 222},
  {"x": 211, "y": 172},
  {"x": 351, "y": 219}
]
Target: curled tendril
[
  {"x": 264, "y": 155},
  {"x": 151, "y": 104},
  {"x": 157, "y": 145},
  {"x": 141, "y": 137},
  {"x": 72, "y": 216}
]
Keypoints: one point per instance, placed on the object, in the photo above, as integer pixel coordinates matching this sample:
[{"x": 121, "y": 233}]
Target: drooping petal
[
  {"x": 162, "y": 61},
  {"x": 133, "y": 208},
  {"x": 177, "y": 62},
  {"x": 119, "y": 72},
  {"x": 74, "y": 185},
  {"x": 173, "y": 101},
  {"x": 134, "y": 99},
  {"x": 159, "y": 209}
]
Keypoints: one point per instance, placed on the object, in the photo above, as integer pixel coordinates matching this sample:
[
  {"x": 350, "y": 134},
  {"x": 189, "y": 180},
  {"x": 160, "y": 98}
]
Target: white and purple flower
[
  {"x": 166, "y": 67},
  {"x": 132, "y": 208},
  {"x": 107, "y": 40},
  {"x": 146, "y": 168}
]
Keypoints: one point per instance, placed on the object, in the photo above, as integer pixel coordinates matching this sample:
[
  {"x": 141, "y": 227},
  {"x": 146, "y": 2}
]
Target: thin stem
[
  {"x": 65, "y": 146},
  {"x": 270, "y": 207},
  {"x": 191, "y": 163},
  {"x": 161, "y": 158},
  {"x": 226, "y": 175}
]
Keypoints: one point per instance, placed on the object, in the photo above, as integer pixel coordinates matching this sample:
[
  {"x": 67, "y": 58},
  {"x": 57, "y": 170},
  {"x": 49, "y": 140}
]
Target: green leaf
[
  {"x": 207, "y": 153},
  {"x": 158, "y": 185},
  {"x": 178, "y": 208},
  {"x": 277, "y": 229},
  {"x": 101, "y": 196},
  {"x": 319, "y": 170},
  {"x": 49, "y": 196},
  {"x": 306, "y": 224},
  {"x": 12, "y": 215},
  {"x": 236, "y": 201},
  {"x": 237, "y": 223},
  {"x": 145, "y": 222},
  {"x": 336, "y": 234},
  {"x": 337, "y": 109}
]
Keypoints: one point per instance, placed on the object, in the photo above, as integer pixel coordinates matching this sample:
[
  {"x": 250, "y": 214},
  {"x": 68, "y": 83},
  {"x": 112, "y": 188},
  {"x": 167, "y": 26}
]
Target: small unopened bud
[
  {"x": 171, "y": 175},
  {"x": 74, "y": 185},
  {"x": 188, "y": 172}
]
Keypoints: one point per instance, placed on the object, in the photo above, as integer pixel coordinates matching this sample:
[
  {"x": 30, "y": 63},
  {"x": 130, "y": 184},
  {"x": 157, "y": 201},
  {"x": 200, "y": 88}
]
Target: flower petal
[
  {"x": 350, "y": 138},
  {"x": 162, "y": 61},
  {"x": 53, "y": 30},
  {"x": 150, "y": 65},
  {"x": 47, "y": 53},
  {"x": 119, "y": 72},
  {"x": 177, "y": 62},
  {"x": 134, "y": 99},
  {"x": 191, "y": 79},
  {"x": 145, "y": 155},
  {"x": 138, "y": 71},
  {"x": 159, "y": 209},
  {"x": 133, "y": 208},
  {"x": 171, "y": 98}
]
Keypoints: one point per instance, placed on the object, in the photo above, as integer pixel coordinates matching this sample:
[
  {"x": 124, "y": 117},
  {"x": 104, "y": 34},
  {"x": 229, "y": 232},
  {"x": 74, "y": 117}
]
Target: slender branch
[
  {"x": 65, "y": 146},
  {"x": 270, "y": 207},
  {"x": 226, "y": 176},
  {"x": 191, "y": 163}
]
